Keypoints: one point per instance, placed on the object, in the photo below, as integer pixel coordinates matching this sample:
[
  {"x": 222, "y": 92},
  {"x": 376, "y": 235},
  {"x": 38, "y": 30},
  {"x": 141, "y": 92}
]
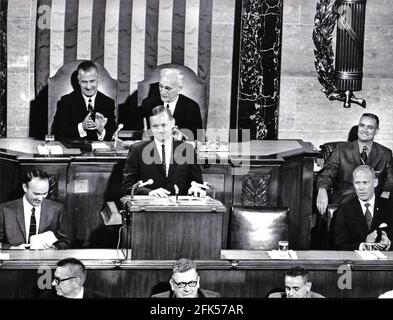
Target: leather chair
[
  {"x": 257, "y": 228},
  {"x": 65, "y": 80},
  {"x": 328, "y": 147},
  {"x": 193, "y": 87}
]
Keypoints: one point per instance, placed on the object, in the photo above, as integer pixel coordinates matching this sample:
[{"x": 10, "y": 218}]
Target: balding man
[{"x": 186, "y": 111}]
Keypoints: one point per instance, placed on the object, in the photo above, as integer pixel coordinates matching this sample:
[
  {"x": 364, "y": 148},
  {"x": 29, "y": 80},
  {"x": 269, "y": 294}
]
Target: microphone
[
  {"x": 138, "y": 185},
  {"x": 116, "y": 133}
]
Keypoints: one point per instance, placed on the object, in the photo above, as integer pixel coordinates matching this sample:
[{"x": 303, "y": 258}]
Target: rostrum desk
[{"x": 277, "y": 173}]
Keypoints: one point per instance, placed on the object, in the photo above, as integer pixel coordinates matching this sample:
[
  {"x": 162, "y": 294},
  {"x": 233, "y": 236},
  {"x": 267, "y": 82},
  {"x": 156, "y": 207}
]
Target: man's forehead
[
  {"x": 295, "y": 281},
  {"x": 169, "y": 79},
  {"x": 35, "y": 182},
  {"x": 188, "y": 275},
  {"x": 91, "y": 73},
  {"x": 368, "y": 120},
  {"x": 61, "y": 271}
]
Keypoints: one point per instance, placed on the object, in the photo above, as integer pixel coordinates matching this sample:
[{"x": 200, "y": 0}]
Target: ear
[
  {"x": 172, "y": 284},
  {"x": 308, "y": 286},
  {"x": 25, "y": 187},
  {"x": 375, "y": 183}
]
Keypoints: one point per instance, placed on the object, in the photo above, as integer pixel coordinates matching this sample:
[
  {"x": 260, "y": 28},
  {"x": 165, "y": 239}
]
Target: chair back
[
  {"x": 65, "y": 81},
  {"x": 193, "y": 87},
  {"x": 328, "y": 147},
  {"x": 257, "y": 228}
]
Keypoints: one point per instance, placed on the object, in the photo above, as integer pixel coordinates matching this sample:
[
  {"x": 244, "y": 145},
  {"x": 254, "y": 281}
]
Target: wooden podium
[{"x": 166, "y": 229}]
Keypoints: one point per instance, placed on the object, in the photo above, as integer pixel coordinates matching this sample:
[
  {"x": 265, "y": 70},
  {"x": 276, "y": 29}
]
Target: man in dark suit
[
  {"x": 85, "y": 113},
  {"x": 366, "y": 218},
  {"x": 69, "y": 278},
  {"x": 22, "y": 221},
  {"x": 297, "y": 285},
  {"x": 185, "y": 282},
  {"x": 166, "y": 161},
  {"x": 186, "y": 111},
  {"x": 337, "y": 172}
]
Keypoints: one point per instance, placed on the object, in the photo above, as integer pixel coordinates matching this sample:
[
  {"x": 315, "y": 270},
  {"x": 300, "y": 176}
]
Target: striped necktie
[
  {"x": 89, "y": 106},
  {"x": 33, "y": 224},
  {"x": 363, "y": 155},
  {"x": 163, "y": 158}
]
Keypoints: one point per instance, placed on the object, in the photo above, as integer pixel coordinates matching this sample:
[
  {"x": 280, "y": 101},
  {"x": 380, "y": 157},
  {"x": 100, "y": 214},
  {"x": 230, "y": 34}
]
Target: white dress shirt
[
  {"x": 370, "y": 207},
  {"x": 27, "y": 214},
  {"x": 168, "y": 152}
]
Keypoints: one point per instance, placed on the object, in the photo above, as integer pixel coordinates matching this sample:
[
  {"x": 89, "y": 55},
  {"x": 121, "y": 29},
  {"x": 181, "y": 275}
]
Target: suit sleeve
[
  {"x": 62, "y": 240},
  {"x": 328, "y": 174},
  {"x": 342, "y": 240},
  {"x": 2, "y": 232},
  {"x": 388, "y": 183},
  {"x": 131, "y": 173},
  {"x": 111, "y": 125},
  {"x": 195, "y": 172},
  {"x": 63, "y": 126}
]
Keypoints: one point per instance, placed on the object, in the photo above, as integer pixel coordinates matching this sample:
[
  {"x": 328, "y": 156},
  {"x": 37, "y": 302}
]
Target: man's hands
[
  {"x": 98, "y": 124},
  {"x": 384, "y": 244},
  {"x": 198, "y": 190},
  {"x": 322, "y": 200},
  {"x": 22, "y": 246},
  {"x": 160, "y": 193}
]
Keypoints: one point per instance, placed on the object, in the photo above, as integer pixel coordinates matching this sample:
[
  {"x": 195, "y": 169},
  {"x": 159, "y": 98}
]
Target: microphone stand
[{"x": 127, "y": 218}]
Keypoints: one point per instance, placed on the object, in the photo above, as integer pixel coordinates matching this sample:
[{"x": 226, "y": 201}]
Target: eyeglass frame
[
  {"x": 58, "y": 280},
  {"x": 182, "y": 285}
]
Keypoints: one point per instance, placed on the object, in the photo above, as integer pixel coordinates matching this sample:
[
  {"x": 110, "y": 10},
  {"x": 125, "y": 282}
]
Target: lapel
[
  {"x": 82, "y": 105},
  {"x": 356, "y": 154},
  {"x": 179, "y": 111},
  {"x": 20, "y": 217},
  {"x": 372, "y": 154},
  {"x": 44, "y": 218},
  {"x": 172, "y": 164},
  {"x": 376, "y": 215},
  {"x": 359, "y": 218}
]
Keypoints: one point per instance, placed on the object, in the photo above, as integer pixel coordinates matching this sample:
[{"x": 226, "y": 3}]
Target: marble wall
[
  {"x": 305, "y": 112},
  {"x": 3, "y": 67}
]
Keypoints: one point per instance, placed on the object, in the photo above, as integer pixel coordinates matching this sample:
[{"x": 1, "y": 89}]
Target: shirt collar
[
  {"x": 371, "y": 202},
  {"x": 93, "y": 99},
  {"x": 172, "y": 104},
  {"x": 362, "y": 144}
]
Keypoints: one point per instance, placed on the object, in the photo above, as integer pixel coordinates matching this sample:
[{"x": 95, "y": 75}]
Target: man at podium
[{"x": 166, "y": 165}]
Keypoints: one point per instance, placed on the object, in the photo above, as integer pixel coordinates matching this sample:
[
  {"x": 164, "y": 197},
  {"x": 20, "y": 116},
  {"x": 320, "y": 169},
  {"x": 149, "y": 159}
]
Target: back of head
[
  {"x": 34, "y": 173},
  {"x": 183, "y": 265}
]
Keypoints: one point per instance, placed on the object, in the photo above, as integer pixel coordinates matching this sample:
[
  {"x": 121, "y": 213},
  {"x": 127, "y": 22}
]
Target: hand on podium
[
  {"x": 198, "y": 190},
  {"x": 160, "y": 193}
]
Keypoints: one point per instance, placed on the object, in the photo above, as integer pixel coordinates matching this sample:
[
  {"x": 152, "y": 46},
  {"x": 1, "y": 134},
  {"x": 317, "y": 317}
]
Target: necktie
[
  {"x": 369, "y": 217},
  {"x": 167, "y": 105},
  {"x": 163, "y": 158},
  {"x": 363, "y": 155},
  {"x": 33, "y": 223},
  {"x": 89, "y": 106}
]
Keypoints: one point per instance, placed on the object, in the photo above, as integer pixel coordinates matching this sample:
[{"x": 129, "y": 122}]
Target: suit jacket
[
  {"x": 12, "y": 223},
  {"x": 71, "y": 110},
  {"x": 350, "y": 226},
  {"x": 202, "y": 293},
  {"x": 87, "y": 294},
  {"x": 337, "y": 172},
  {"x": 283, "y": 295},
  {"x": 187, "y": 113},
  {"x": 143, "y": 163}
]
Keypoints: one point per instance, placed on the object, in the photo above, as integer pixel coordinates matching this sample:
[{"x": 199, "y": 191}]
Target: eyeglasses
[
  {"x": 58, "y": 280},
  {"x": 183, "y": 284}
]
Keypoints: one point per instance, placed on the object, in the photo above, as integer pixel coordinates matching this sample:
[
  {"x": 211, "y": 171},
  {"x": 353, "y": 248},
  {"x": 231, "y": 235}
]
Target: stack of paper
[
  {"x": 371, "y": 255},
  {"x": 276, "y": 254}
]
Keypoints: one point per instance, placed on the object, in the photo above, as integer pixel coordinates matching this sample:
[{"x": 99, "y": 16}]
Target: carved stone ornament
[{"x": 255, "y": 190}]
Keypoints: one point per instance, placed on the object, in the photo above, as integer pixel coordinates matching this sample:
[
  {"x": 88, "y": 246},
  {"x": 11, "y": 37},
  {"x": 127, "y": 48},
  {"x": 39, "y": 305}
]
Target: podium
[{"x": 169, "y": 229}]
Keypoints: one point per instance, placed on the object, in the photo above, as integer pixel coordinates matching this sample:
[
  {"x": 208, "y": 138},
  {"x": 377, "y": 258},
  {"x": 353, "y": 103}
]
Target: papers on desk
[
  {"x": 4, "y": 256},
  {"x": 99, "y": 145},
  {"x": 276, "y": 254},
  {"x": 371, "y": 255},
  {"x": 46, "y": 150},
  {"x": 39, "y": 240}
]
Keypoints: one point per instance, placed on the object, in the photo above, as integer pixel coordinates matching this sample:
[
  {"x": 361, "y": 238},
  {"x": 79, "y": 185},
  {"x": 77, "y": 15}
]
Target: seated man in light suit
[
  {"x": 297, "y": 285},
  {"x": 85, "y": 113},
  {"x": 365, "y": 218},
  {"x": 337, "y": 172},
  {"x": 185, "y": 283},
  {"x": 32, "y": 215},
  {"x": 186, "y": 111},
  {"x": 167, "y": 161}
]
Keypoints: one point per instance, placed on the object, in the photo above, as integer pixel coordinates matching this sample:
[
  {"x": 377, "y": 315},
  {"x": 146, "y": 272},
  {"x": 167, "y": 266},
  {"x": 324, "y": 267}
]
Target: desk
[
  {"x": 259, "y": 173},
  {"x": 236, "y": 274}
]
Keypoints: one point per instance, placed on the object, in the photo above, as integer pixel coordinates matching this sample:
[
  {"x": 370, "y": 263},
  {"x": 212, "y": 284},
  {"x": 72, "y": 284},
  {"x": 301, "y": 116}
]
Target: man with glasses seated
[
  {"x": 70, "y": 275},
  {"x": 186, "y": 111},
  {"x": 185, "y": 282},
  {"x": 337, "y": 171},
  {"x": 297, "y": 285}
]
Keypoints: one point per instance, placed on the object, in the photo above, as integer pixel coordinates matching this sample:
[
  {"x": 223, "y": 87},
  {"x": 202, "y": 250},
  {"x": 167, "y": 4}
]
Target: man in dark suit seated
[
  {"x": 337, "y": 171},
  {"x": 69, "y": 278},
  {"x": 167, "y": 161},
  {"x": 33, "y": 221},
  {"x": 186, "y": 111},
  {"x": 85, "y": 113},
  {"x": 297, "y": 285},
  {"x": 185, "y": 282},
  {"x": 366, "y": 218}
]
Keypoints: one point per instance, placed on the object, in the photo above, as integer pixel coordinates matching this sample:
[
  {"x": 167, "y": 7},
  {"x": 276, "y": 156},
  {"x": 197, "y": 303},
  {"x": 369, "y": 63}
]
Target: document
[
  {"x": 277, "y": 254},
  {"x": 39, "y": 240},
  {"x": 371, "y": 255}
]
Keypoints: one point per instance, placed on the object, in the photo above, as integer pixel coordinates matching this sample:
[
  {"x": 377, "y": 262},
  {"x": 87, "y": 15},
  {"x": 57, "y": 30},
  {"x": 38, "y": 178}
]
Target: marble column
[{"x": 3, "y": 67}]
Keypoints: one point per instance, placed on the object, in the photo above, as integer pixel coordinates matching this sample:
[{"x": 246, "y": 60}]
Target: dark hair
[
  {"x": 34, "y": 173},
  {"x": 87, "y": 65},
  {"x": 76, "y": 267},
  {"x": 160, "y": 109},
  {"x": 183, "y": 265},
  {"x": 298, "y": 271},
  {"x": 372, "y": 116}
]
